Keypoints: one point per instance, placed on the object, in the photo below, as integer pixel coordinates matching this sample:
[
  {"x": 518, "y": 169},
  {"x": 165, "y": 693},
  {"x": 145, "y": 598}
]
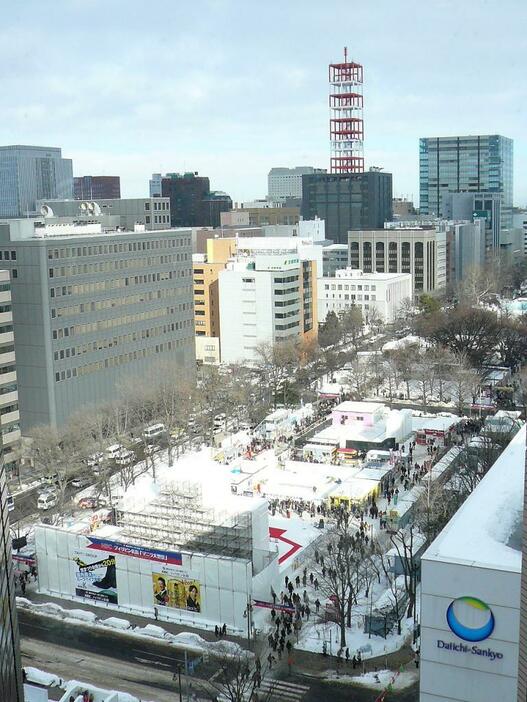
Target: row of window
[
  {"x": 9, "y": 408},
  {"x": 112, "y": 302},
  {"x": 291, "y": 325},
  {"x": 121, "y": 359},
  {"x": 5, "y": 308},
  {"x": 286, "y": 291},
  {"x": 9, "y": 429},
  {"x": 12, "y": 387},
  {"x": 158, "y": 219},
  {"x": 7, "y": 255},
  {"x": 287, "y": 279},
  {"x": 109, "y": 343},
  {"x": 113, "y": 283},
  {"x": 350, "y": 287},
  {"x": 90, "y": 327},
  {"x": 121, "y": 247},
  {"x": 352, "y": 296},
  {"x": 121, "y": 264},
  {"x": 158, "y": 205}
]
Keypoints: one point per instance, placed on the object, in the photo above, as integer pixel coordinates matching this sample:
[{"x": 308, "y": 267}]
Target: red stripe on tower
[{"x": 346, "y": 124}]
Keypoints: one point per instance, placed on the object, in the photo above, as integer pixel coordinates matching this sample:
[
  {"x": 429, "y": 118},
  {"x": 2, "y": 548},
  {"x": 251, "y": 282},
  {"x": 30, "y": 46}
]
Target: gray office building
[
  {"x": 31, "y": 173},
  {"x": 94, "y": 308},
  {"x": 334, "y": 258},
  {"x": 478, "y": 164},
  {"x": 10, "y": 665},
  {"x": 347, "y": 201},
  {"x": 152, "y": 212}
]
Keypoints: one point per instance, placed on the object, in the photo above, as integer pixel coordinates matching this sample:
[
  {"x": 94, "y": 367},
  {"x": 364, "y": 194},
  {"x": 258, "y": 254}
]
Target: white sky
[{"x": 231, "y": 88}]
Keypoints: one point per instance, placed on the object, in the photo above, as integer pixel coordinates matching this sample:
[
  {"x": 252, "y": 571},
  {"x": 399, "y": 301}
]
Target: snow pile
[
  {"x": 116, "y": 623},
  {"x": 40, "y": 677},
  {"x": 378, "y": 680}
]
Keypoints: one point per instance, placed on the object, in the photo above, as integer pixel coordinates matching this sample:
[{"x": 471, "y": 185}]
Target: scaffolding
[{"x": 178, "y": 520}]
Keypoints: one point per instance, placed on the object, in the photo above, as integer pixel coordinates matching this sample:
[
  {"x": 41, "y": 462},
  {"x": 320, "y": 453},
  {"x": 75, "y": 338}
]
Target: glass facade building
[
  {"x": 481, "y": 164},
  {"x": 347, "y": 201},
  {"x": 31, "y": 173},
  {"x": 10, "y": 665}
]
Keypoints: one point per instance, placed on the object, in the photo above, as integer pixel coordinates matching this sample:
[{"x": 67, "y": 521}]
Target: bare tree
[
  {"x": 352, "y": 325},
  {"x": 237, "y": 679},
  {"x": 404, "y": 542}
]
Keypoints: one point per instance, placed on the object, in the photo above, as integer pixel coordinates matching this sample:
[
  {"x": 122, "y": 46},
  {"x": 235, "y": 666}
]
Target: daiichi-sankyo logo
[{"x": 470, "y": 619}]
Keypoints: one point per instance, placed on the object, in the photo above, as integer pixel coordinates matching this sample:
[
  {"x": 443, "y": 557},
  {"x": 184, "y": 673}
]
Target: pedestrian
[
  {"x": 311, "y": 578},
  {"x": 317, "y": 604},
  {"x": 23, "y": 586},
  {"x": 270, "y": 659},
  {"x": 297, "y": 581},
  {"x": 216, "y": 631},
  {"x": 273, "y": 614},
  {"x": 289, "y": 663},
  {"x": 289, "y": 646},
  {"x": 347, "y": 655},
  {"x": 359, "y": 658},
  {"x": 354, "y": 661},
  {"x": 316, "y": 583},
  {"x": 156, "y": 614},
  {"x": 224, "y": 630},
  {"x": 308, "y": 612},
  {"x": 273, "y": 595},
  {"x": 325, "y": 649}
]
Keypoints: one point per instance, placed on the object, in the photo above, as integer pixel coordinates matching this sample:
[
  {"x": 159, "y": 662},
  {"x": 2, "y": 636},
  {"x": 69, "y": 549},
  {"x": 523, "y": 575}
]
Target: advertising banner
[
  {"x": 177, "y": 590},
  {"x": 95, "y": 577},
  {"x": 147, "y": 554}
]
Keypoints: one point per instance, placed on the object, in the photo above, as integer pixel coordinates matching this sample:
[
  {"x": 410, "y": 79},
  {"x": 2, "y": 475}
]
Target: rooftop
[
  {"x": 366, "y": 407},
  {"x": 485, "y": 531}
]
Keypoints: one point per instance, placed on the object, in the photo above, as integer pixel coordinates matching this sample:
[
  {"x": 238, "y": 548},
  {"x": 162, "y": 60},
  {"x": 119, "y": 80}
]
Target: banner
[
  {"x": 95, "y": 577},
  {"x": 176, "y": 592},
  {"x": 147, "y": 554}
]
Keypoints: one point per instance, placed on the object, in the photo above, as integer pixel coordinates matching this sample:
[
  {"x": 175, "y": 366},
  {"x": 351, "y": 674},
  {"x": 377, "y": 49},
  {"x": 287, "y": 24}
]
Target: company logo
[{"x": 470, "y": 619}]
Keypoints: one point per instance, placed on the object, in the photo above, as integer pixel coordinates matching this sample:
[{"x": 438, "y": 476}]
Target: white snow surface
[
  {"x": 40, "y": 677},
  {"x": 478, "y": 533},
  {"x": 377, "y": 680}
]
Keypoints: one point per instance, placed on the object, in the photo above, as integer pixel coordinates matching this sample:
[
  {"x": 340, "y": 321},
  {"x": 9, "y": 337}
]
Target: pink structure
[{"x": 366, "y": 414}]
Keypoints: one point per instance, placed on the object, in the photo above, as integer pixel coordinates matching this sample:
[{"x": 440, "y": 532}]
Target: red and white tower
[{"x": 346, "y": 125}]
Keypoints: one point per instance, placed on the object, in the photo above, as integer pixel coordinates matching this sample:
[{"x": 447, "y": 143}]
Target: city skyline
[{"x": 199, "y": 93}]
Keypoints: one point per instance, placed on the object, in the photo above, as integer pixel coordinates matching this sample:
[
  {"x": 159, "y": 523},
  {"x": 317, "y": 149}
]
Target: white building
[
  {"x": 383, "y": 292},
  {"x": 470, "y": 591},
  {"x": 305, "y": 248},
  {"x": 420, "y": 251},
  {"x": 283, "y": 183},
  {"x": 314, "y": 229},
  {"x": 266, "y": 296},
  {"x": 519, "y": 221}
]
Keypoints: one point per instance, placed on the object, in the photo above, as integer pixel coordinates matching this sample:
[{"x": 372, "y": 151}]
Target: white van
[
  {"x": 114, "y": 450},
  {"x": 154, "y": 431},
  {"x": 47, "y": 500}
]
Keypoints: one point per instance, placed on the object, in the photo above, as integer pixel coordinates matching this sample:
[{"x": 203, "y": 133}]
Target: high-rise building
[
  {"x": 284, "y": 183},
  {"x": 97, "y": 187},
  {"x": 420, "y": 251},
  {"x": 522, "y": 658},
  {"x": 263, "y": 216},
  {"x": 275, "y": 298},
  {"x": 402, "y": 208},
  {"x": 519, "y": 221},
  {"x": 10, "y": 664},
  {"x": 151, "y": 212},
  {"x": 30, "y": 173},
  {"x": 475, "y": 164},
  {"x": 192, "y": 203},
  {"x": 348, "y": 201},
  {"x": 9, "y": 412},
  {"x": 94, "y": 307}
]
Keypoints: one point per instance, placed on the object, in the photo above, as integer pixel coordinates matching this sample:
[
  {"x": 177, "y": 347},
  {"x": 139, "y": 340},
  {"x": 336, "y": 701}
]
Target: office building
[
  {"x": 459, "y": 164},
  {"x": 467, "y": 248},
  {"x": 206, "y": 270},
  {"x": 420, "y": 251},
  {"x": 10, "y": 664},
  {"x": 151, "y": 212},
  {"x": 334, "y": 257},
  {"x": 192, "y": 203},
  {"x": 284, "y": 183},
  {"x": 266, "y": 298},
  {"x": 347, "y": 201},
  {"x": 93, "y": 307},
  {"x": 270, "y": 214},
  {"x": 9, "y": 412},
  {"x": 470, "y": 592},
  {"x": 522, "y": 657},
  {"x": 382, "y": 292},
  {"x": 97, "y": 187},
  {"x": 30, "y": 173},
  {"x": 402, "y": 208},
  {"x": 519, "y": 221}
]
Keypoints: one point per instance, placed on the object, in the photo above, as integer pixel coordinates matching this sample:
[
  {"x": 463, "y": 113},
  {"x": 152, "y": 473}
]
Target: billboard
[
  {"x": 95, "y": 576},
  {"x": 178, "y": 591}
]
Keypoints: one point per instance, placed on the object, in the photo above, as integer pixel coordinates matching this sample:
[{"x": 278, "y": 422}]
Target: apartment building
[
  {"x": 94, "y": 308},
  {"x": 9, "y": 412},
  {"x": 152, "y": 212},
  {"x": 266, "y": 298},
  {"x": 206, "y": 270},
  {"x": 382, "y": 292},
  {"x": 420, "y": 251}
]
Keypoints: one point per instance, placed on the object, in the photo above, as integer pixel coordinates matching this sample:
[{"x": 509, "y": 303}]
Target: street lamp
[
  {"x": 248, "y": 615},
  {"x": 178, "y": 670}
]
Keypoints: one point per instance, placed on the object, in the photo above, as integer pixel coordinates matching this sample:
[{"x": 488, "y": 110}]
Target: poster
[
  {"x": 95, "y": 576},
  {"x": 176, "y": 592}
]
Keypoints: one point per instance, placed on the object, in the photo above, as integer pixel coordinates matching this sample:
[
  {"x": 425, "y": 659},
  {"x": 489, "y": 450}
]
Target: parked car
[
  {"x": 10, "y": 503},
  {"x": 95, "y": 459},
  {"x": 113, "y": 451},
  {"x": 92, "y": 502},
  {"x": 51, "y": 479},
  {"x": 125, "y": 457},
  {"x": 47, "y": 500},
  {"x": 80, "y": 482}
]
